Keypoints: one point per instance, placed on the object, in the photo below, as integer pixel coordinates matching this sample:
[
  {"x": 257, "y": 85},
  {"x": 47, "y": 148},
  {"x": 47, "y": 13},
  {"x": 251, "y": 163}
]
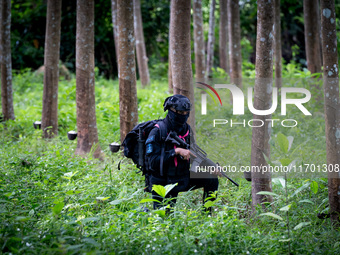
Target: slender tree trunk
[
  {"x": 127, "y": 68},
  {"x": 332, "y": 104},
  {"x": 142, "y": 59},
  {"x": 51, "y": 64},
  {"x": 85, "y": 90},
  {"x": 199, "y": 41},
  {"x": 170, "y": 83},
  {"x": 261, "y": 181},
  {"x": 115, "y": 27},
  {"x": 6, "y": 60},
  {"x": 278, "y": 46},
  {"x": 223, "y": 36},
  {"x": 312, "y": 35},
  {"x": 235, "y": 56},
  {"x": 211, "y": 40},
  {"x": 181, "y": 53}
]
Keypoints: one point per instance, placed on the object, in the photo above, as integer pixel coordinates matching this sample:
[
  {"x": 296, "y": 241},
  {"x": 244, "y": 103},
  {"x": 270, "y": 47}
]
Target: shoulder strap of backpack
[{"x": 162, "y": 129}]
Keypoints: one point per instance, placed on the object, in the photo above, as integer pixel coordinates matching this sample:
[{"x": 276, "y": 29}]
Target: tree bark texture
[
  {"x": 312, "y": 35},
  {"x": 6, "y": 60},
  {"x": 278, "y": 46},
  {"x": 181, "y": 52},
  {"x": 142, "y": 59},
  {"x": 51, "y": 64},
  {"x": 235, "y": 56},
  {"x": 332, "y": 103},
  {"x": 223, "y": 36},
  {"x": 127, "y": 68},
  {"x": 85, "y": 84},
  {"x": 115, "y": 27},
  {"x": 261, "y": 181},
  {"x": 199, "y": 41},
  {"x": 211, "y": 40},
  {"x": 170, "y": 83}
]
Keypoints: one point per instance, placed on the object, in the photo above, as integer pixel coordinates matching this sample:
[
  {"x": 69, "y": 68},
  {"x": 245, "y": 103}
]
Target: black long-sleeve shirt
[{"x": 173, "y": 165}]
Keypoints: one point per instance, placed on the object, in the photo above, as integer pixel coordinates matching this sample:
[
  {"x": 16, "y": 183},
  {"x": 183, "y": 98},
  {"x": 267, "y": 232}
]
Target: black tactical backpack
[{"x": 134, "y": 145}]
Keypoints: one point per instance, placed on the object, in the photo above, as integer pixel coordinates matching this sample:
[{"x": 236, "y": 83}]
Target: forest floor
[{"x": 53, "y": 202}]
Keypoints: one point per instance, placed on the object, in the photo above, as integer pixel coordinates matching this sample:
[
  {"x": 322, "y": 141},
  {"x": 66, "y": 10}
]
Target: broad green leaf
[
  {"x": 279, "y": 180},
  {"x": 302, "y": 224},
  {"x": 102, "y": 198},
  {"x": 169, "y": 187},
  {"x": 209, "y": 203},
  {"x": 267, "y": 193},
  {"x": 314, "y": 187},
  {"x": 116, "y": 202},
  {"x": 159, "y": 189},
  {"x": 303, "y": 187},
  {"x": 272, "y": 215},
  {"x": 285, "y": 161},
  {"x": 57, "y": 208},
  {"x": 22, "y": 218},
  {"x": 283, "y": 142},
  {"x": 160, "y": 212},
  {"x": 146, "y": 200},
  {"x": 286, "y": 208},
  {"x": 306, "y": 201}
]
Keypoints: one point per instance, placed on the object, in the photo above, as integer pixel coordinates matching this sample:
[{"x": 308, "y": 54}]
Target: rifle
[{"x": 201, "y": 159}]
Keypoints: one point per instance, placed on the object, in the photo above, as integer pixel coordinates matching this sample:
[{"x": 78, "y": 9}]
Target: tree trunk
[
  {"x": 51, "y": 64},
  {"x": 332, "y": 105},
  {"x": 181, "y": 53},
  {"x": 85, "y": 97},
  {"x": 278, "y": 46},
  {"x": 235, "y": 56},
  {"x": 142, "y": 59},
  {"x": 199, "y": 41},
  {"x": 127, "y": 68},
  {"x": 6, "y": 61},
  {"x": 223, "y": 36},
  {"x": 211, "y": 40},
  {"x": 261, "y": 180},
  {"x": 115, "y": 27},
  {"x": 170, "y": 84},
  {"x": 312, "y": 35}
]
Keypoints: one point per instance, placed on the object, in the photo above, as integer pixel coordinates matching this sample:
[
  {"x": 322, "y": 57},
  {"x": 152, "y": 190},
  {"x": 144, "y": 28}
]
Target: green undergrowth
[{"x": 53, "y": 202}]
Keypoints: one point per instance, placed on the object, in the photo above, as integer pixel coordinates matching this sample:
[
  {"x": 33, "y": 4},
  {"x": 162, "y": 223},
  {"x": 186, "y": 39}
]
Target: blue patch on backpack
[
  {"x": 149, "y": 148},
  {"x": 150, "y": 139}
]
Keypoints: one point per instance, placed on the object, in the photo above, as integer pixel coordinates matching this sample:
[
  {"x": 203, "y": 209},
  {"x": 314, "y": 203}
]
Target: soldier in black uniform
[{"x": 176, "y": 161}]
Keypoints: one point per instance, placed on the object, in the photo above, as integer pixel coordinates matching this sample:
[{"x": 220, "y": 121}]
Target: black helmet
[{"x": 178, "y": 102}]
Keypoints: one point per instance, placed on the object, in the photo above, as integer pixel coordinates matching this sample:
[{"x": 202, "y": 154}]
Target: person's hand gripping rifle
[{"x": 197, "y": 155}]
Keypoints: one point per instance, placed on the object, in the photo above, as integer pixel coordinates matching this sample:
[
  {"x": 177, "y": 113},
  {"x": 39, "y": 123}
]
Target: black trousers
[{"x": 185, "y": 183}]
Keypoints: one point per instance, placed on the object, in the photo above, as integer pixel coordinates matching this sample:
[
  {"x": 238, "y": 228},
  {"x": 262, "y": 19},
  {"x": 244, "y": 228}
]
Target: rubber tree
[
  {"x": 127, "y": 68},
  {"x": 85, "y": 84},
  {"x": 312, "y": 35},
  {"x": 261, "y": 180},
  {"x": 211, "y": 40},
  {"x": 277, "y": 45},
  {"x": 6, "y": 60},
  {"x": 331, "y": 105},
  {"x": 235, "y": 56},
  {"x": 49, "y": 120},
  {"x": 181, "y": 53},
  {"x": 224, "y": 37},
  {"x": 115, "y": 26},
  {"x": 142, "y": 59},
  {"x": 199, "y": 40}
]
